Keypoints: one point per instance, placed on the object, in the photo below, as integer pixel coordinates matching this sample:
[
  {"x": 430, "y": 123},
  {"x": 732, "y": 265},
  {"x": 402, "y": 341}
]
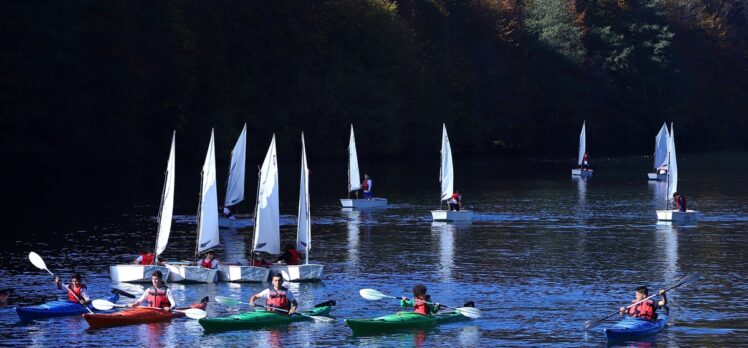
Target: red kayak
[{"x": 137, "y": 315}]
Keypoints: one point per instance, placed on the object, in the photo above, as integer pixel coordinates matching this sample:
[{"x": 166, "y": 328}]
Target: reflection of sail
[
  {"x": 659, "y": 190},
  {"x": 667, "y": 238},
  {"x": 354, "y": 221},
  {"x": 446, "y": 233},
  {"x": 234, "y": 246}
]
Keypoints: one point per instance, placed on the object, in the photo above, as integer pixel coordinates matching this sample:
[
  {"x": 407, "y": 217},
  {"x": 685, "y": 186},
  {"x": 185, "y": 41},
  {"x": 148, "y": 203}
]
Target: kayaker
[
  {"x": 209, "y": 261},
  {"x": 158, "y": 296},
  {"x": 76, "y": 287},
  {"x": 290, "y": 256},
  {"x": 147, "y": 258},
  {"x": 277, "y": 296},
  {"x": 645, "y": 309},
  {"x": 420, "y": 301}
]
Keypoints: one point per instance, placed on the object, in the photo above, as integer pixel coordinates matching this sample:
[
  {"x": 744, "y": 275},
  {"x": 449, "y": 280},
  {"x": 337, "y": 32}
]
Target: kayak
[
  {"x": 57, "y": 308},
  {"x": 402, "y": 320},
  {"x": 136, "y": 315},
  {"x": 632, "y": 328},
  {"x": 260, "y": 318}
]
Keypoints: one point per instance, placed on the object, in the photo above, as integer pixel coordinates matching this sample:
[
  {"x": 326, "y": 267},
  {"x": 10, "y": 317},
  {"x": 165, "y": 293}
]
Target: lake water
[{"x": 544, "y": 253}]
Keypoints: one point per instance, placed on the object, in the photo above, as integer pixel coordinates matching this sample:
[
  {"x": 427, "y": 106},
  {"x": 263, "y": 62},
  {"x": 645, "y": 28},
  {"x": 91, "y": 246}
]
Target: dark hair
[
  {"x": 276, "y": 274},
  {"x": 77, "y": 276},
  {"x": 157, "y": 274},
  {"x": 210, "y": 252},
  {"x": 642, "y": 290},
  {"x": 419, "y": 290}
]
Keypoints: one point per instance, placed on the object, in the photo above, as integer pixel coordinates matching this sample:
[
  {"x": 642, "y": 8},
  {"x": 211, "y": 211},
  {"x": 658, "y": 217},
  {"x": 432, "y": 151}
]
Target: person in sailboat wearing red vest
[
  {"x": 76, "y": 287},
  {"x": 646, "y": 309},
  {"x": 209, "y": 261},
  {"x": 157, "y": 296},
  {"x": 276, "y": 297},
  {"x": 147, "y": 258}
]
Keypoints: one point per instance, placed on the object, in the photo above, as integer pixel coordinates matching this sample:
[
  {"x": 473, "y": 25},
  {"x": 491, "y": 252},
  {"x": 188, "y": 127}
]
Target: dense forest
[{"x": 103, "y": 83}]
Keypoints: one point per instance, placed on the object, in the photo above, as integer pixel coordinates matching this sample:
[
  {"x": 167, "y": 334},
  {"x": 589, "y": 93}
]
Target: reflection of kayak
[
  {"x": 137, "y": 315},
  {"x": 257, "y": 319},
  {"x": 631, "y": 328},
  {"x": 56, "y": 309},
  {"x": 402, "y": 320}
]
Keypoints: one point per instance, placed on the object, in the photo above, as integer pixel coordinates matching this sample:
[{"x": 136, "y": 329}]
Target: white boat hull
[
  {"x": 299, "y": 273},
  {"x": 191, "y": 274},
  {"x": 452, "y": 215},
  {"x": 682, "y": 217},
  {"x": 364, "y": 203},
  {"x": 582, "y": 173},
  {"x": 657, "y": 177},
  {"x": 248, "y": 274},
  {"x": 136, "y": 273}
]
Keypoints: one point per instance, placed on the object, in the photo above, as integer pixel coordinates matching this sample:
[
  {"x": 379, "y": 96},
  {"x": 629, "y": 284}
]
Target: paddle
[
  {"x": 233, "y": 302},
  {"x": 37, "y": 261},
  {"x": 687, "y": 279},
  {"x": 192, "y": 313},
  {"x": 374, "y": 295}
]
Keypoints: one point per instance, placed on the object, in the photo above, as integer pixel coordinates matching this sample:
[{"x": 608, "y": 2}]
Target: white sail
[
  {"x": 267, "y": 230},
  {"x": 207, "y": 225},
  {"x": 662, "y": 141},
  {"x": 167, "y": 202},
  {"x": 304, "y": 228},
  {"x": 235, "y": 186},
  {"x": 353, "y": 177},
  {"x": 582, "y": 145},
  {"x": 446, "y": 174},
  {"x": 672, "y": 178}
]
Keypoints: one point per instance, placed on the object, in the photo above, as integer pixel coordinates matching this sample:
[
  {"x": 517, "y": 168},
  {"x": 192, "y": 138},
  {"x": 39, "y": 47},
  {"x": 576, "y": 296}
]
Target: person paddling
[
  {"x": 420, "y": 301},
  {"x": 157, "y": 296},
  {"x": 646, "y": 309},
  {"x": 277, "y": 296},
  {"x": 77, "y": 288}
]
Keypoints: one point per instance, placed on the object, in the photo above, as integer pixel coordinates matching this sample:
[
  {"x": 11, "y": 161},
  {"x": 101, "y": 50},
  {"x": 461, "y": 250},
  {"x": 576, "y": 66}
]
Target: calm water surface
[{"x": 544, "y": 253}]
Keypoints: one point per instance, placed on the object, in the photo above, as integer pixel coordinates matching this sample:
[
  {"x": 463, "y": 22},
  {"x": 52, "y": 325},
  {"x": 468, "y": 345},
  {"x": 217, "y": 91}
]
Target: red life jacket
[
  {"x": 295, "y": 257},
  {"x": 365, "y": 185},
  {"x": 278, "y": 299},
  {"x": 77, "y": 293},
  {"x": 421, "y": 307},
  {"x": 456, "y": 197},
  {"x": 157, "y": 298},
  {"x": 205, "y": 263},
  {"x": 645, "y": 310},
  {"x": 147, "y": 259}
]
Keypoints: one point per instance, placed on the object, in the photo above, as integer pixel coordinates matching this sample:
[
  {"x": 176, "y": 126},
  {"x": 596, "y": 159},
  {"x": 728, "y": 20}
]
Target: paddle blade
[
  {"x": 470, "y": 312},
  {"x": 373, "y": 295},
  {"x": 321, "y": 319},
  {"x": 194, "y": 313},
  {"x": 37, "y": 261},
  {"x": 122, "y": 293},
  {"x": 687, "y": 279},
  {"x": 228, "y": 301},
  {"x": 102, "y": 305}
]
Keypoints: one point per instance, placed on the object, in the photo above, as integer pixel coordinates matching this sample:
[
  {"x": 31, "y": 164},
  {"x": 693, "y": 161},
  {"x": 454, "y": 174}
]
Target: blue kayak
[
  {"x": 633, "y": 328},
  {"x": 57, "y": 308}
]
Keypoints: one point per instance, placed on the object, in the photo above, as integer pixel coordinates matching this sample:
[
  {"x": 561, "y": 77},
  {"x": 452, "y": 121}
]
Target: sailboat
[
  {"x": 354, "y": 183},
  {"x": 683, "y": 217},
  {"x": 207, "y": 225},
  {"x": 587, "y": 172},
  {"x": 235, "y": 184},
  {"x": 142, "y": 273},
  {"x": 307, "y": 271},
  {"x": 660, "y": 155},
  {"x": 446, "y": 177}
]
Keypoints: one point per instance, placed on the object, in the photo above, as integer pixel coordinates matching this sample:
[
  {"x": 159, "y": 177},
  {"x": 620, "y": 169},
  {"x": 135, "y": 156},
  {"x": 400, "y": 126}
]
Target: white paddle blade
[
  {"x": 372, "y": 295},
  {"x": 194, "y": 313},
  {"x": 226, "y": 300},
  {"x": 37, "y": 261},
  {"x": 102, "y": 305},
  {"x": 321, "y": 319},
  {"x": 470, "y": 312}
]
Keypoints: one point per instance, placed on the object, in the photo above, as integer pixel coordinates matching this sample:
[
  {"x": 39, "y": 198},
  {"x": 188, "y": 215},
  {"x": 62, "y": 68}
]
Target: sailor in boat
[
  {"x": 366, "y": 186},
  {"x": 157, "y": 296},
  {"x": 455, "y": 202},
  {"x": 679, "y": 201},
  {"x": 585, "y": 162},
  {"x": 228, "y": 213},
  {"x": 276, "y": 297},
  {"x": 290, "y": 256},
  {"x": 262, "y": 259},
  {"x": 419, "y": 302},
  {"x": 147, "y": 258},
  {"x": 646, "y": 309},
  {"x": 76, "y": 287},
  {"x": 209, "y": 261}
]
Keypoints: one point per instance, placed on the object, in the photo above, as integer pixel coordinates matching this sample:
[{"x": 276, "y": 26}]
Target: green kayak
[
  {"x": 257, "y": 319},
  {"x": 402, "y": 320}
]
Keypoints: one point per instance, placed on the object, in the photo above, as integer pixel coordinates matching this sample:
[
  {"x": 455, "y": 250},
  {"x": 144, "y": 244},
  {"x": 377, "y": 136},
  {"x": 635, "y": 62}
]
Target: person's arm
[
  {"x": 171, "y": 300},
  {"x": 58, "y": 284},
  {"x": 663, "y": 302},
  {"x": 292, "y": 300},
  {"x": 85, "y": 297},
  {"x": 258, "y": 295},
  {"x": 138, "y": 260},
  {"x": 139, "y": 300},
  {"x": 405, "y": 303}
]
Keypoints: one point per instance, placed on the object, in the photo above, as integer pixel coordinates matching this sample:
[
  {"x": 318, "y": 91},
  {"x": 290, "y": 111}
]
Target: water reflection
[
  {"x": 234, "y": 246},
  {"x": 446, "y": 234},
  {"x": 659, "y": 190},
  {"x": 354, "y": 223},
  {"x": 581, "y": 213},
  {"x": 666, "y": 238}
]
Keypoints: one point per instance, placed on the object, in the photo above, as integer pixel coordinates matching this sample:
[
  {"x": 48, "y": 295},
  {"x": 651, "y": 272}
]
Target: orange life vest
[
  {"x": 365, "y": 185},
  {"x": 205, "y": 263},
  {"x": 76, "y": 291},
  {"x": 421, "y": 307},
  {"x": 645, "y": 310},
  {"x": 278, "y": 299},
  {"x": 147, "y": 259},
  {"x": 157, "y": 298}
]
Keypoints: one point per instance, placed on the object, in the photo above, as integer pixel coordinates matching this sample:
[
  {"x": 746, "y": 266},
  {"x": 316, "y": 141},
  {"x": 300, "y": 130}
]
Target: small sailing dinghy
[
  {"x": 354, "y": 183},
  {"x": 661, "y": 155},
  {"x": 307, "y": 271},
  {"x": 446, "y": 177},
  {"x": 235, "y": 184},
  {"x": 674, "y": 215},
  {"x": 142, "y": 273},
  {"x": 582, "y": 171},
  {"x": 207, "y": 225}
]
